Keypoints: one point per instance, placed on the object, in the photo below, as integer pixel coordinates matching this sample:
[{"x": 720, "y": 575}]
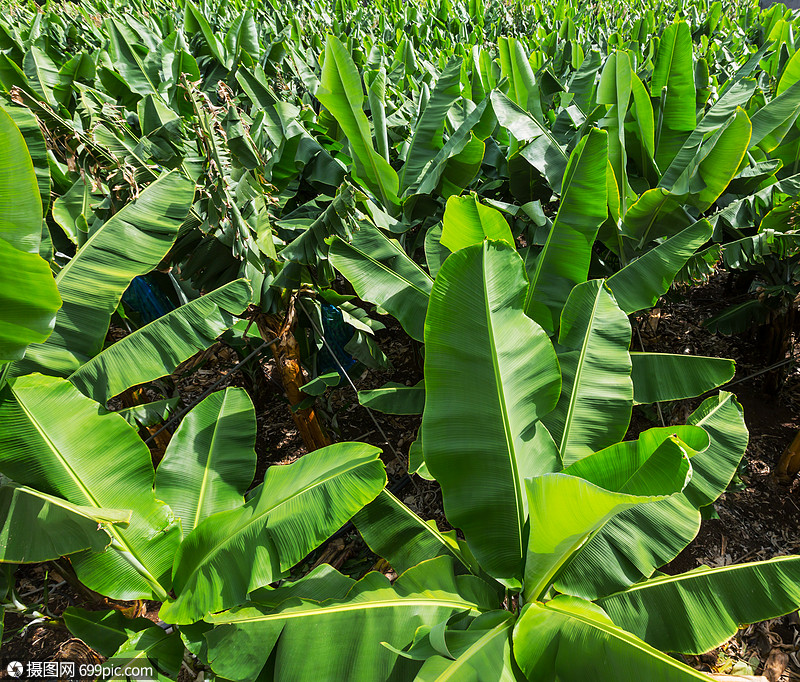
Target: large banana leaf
[
  {"x": 381, "y": 272},
  {"x": 567, "y": 638},
  {"x": 130, "y": 243},
  {"x": 772, "y": 121},
  {"x": 159, "y": 347},
  {"x": 564, "y": 260},
  {"x": 296, "y": 508},
  {"x": 640, "y": 540},
  {"x": 20, "y": 206},
  {"x": 674, "y": 69},
  {"x": 341, "y": 94},
  {"x": 566, "y": 510},
  {"x": 667, "y": 376},
  {"x": 28, "y": 125},
  {"x": 37, "y": 527},
  {"x": 28, "y": 295},
  {"x": 467, "y": 221},
  {"x": 209, "y": 462},
  {"x": 340, "y": 639},
  {"x": 523, "y": 89},
  {"x": 428, "y": 132},
  {"x": 53, "y": 439},
  {"x": 397, "y": 534},
  {"x": 696, "y": 611},
  {"x": 639, "y": 284},
  {"x": 596, "y": 400},
  {"x": 615, "y": 89},
  {"x": 490, "y": 370}
]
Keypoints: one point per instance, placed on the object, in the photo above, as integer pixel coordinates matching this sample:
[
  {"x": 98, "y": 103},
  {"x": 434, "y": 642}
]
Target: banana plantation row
[{"x": 509, "y": 181}]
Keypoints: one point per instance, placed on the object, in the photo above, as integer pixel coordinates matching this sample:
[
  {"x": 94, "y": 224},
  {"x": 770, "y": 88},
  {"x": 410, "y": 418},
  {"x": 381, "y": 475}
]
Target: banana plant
[
  {"x": 558, "y": 565},
  {"x": 171, "y": 541}
]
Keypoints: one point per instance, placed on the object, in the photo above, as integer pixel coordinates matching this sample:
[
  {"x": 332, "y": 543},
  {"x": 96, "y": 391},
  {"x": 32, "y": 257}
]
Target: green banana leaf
[
  {"x": 719, "y": 166},
  {"x": 666, "y": 376},
  {"x": 37, "y": 527},
  {"x": 615, "y": 88},
  {"x": 152, "y": 646},
  {"x": 127, "y": 60},
  {"x": 544, "y": 153},
  {"x": 340, "y": 639},
  {"x": 564, "y": 259},
  {"x": 28, "y": 125},
  {"x": 210, "y": 461},
  {"x": 382, "y": 273},
  {"x": 565, "y": 510},
  {"x": 148, "y": 414},
  {"x": 397, "y": 534},
  {"x": 722, "y": 417},
  {"x": 156, "y": 349},
  {"x": 484, "y": 656},
  {"x": 130, "y": 243},
  {"x": 772, "y": 121},
  {"x": 296, "y": 509},
  {"x": 674, "y": 69},
  {"x": 640, "y": 540},
  {"x": 341, "y": 94},
  {"x": 28, "y": 295},
  {"x": 567, "y": 637},
  {"x": 694, "y": 612},
  {"x": 453, "y": 163},
  {"x": 91, "y": 460},
  {"x": 491, "y": 370},
  {"x": 467, "y": 221},
  {"x": 427, "y": 139},
  {"x": 639, "y": 284},
  {"x": 393, "y": 398},
  {"x": 522, "y": 87},
  {"x": 596, "y": 400}
]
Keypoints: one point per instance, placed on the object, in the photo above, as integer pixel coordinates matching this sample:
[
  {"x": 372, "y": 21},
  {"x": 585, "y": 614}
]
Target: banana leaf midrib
[
  {"x": 512, "y": 456},
  {"x": 351, "y": 606}
]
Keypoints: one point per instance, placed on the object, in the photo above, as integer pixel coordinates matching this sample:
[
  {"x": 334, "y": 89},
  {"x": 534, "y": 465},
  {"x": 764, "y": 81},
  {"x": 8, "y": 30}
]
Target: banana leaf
[
  {"x": 491, "y": 370},
  {"x": 341, "y": 639},
  {"x": 210, "y": 461},
  {"x": 130, "y": 243},
  {"x": 565, "y": 639},
  {"x": 341, "y": 94},
  {"x": 667, "y": 376},
  {"x": 596, "y": 400},
  {"x": 382, "y": 273},
  {"x": 297, "y": 507},
  {"x": 36, "y": 527},
  {"x": 694, "y": 612},
  {"x": 564, "y": 259},
  {"x": 467, "y": 221},
  {"x": 52, "y": 439},
  {"x": 156, "y": 349},
  {"x": 397, "y": 534}
]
